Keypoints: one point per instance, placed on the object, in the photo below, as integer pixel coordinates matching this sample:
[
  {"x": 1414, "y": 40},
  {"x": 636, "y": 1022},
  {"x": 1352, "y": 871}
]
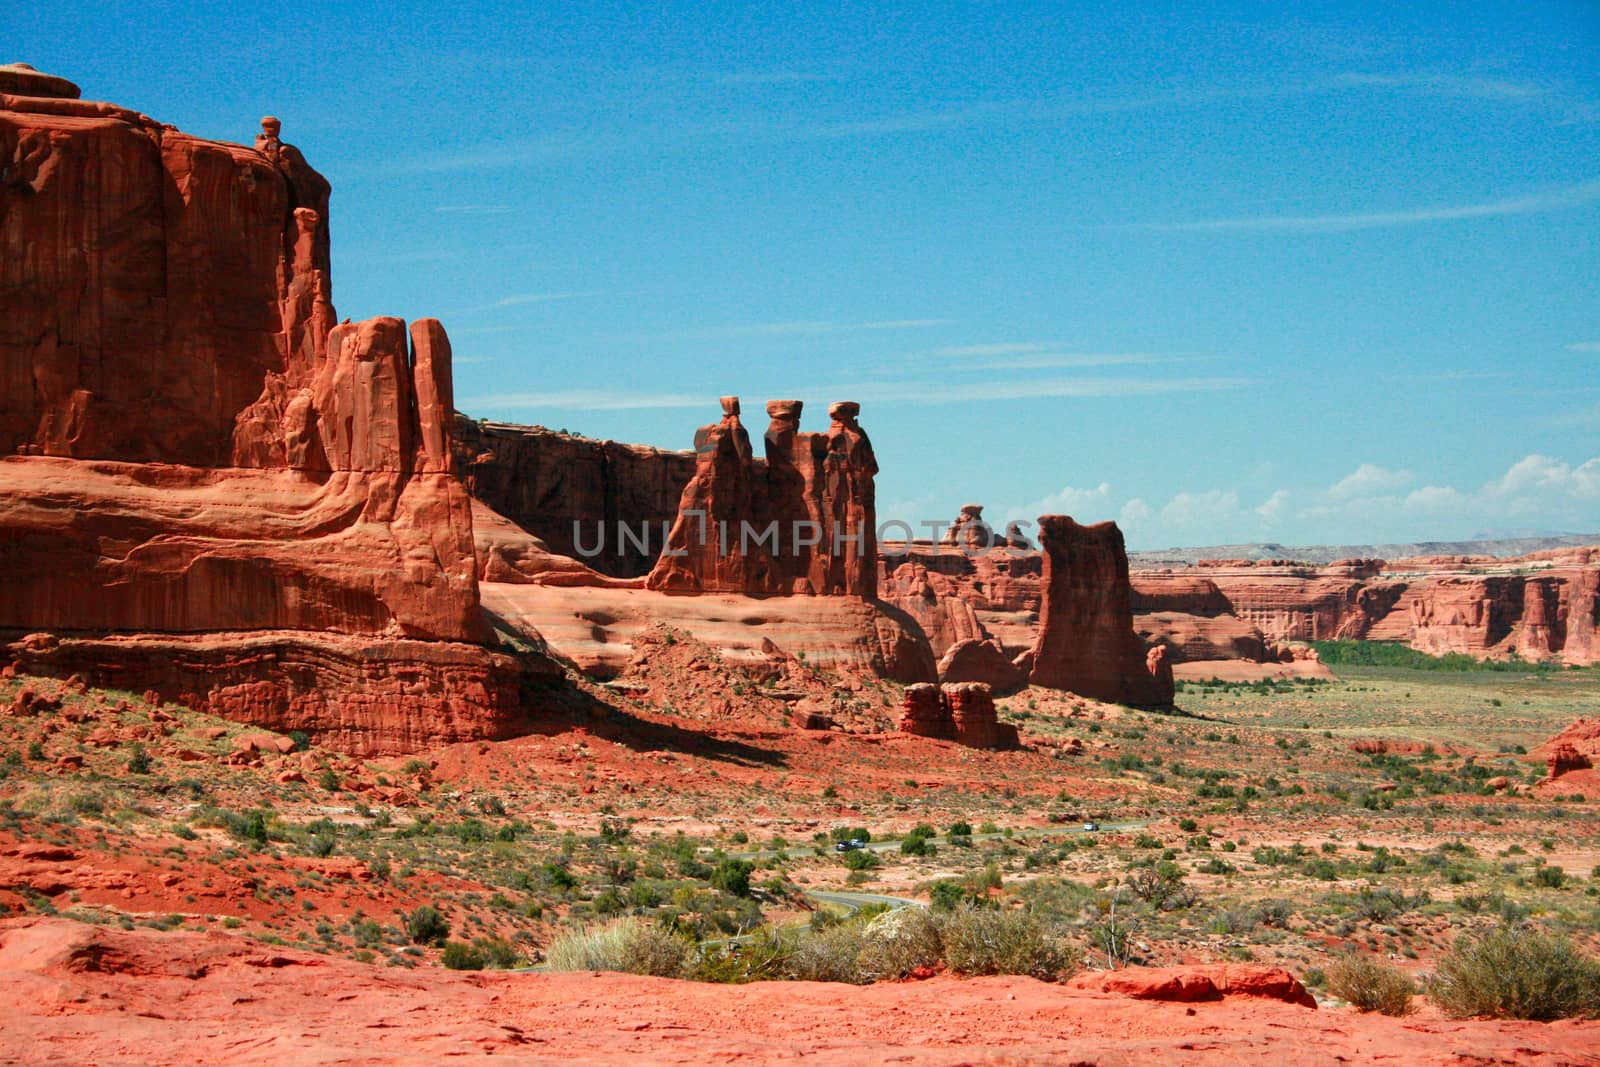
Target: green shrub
[
  {"x": 427, "y": 925},
  {"x": 947, "y": 895},
  {"x": 632, "y": 946},
  {"x": 984, "y": 941},
  {"x": 733, "y": 876},
  {"x": 459, "y": 957},
  {"x": 861, "y": 860},
  {"x": 1517, "y": 973},
  {"x": 1370, "y": 985},
  {"x": 139, "y": 762}
]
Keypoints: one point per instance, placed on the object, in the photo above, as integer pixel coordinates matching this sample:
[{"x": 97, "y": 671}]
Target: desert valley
[{"x": 339, "y": 725}]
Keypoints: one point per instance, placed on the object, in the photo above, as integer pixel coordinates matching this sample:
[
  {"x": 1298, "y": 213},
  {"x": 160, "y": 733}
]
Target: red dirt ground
[{"x": 89, "y": 994}]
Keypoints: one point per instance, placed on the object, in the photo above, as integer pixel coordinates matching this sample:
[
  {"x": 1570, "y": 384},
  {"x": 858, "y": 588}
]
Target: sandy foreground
[{"x": 80, "y": 994}]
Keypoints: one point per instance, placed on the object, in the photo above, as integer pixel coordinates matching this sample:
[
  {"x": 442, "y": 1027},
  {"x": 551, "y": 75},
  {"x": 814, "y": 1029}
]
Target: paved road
[{"x": 894, "y": 843}]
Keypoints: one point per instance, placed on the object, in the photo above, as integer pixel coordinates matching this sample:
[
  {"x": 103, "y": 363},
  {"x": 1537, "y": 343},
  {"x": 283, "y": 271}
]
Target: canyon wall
[
  {"x": 198, "y": 448},
  {"x": 615, "y": 501}
]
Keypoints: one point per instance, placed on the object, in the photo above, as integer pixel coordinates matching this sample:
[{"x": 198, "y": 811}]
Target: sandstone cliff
[{"x": 199, "y": 449}]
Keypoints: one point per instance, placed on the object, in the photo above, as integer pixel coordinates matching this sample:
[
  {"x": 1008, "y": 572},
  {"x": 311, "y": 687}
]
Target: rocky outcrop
[
  {"x": 924, "y": 712},
  {"x": 1086, "y": 642},
  {"x": 596, "y": 629},
  {"x": 963, "y": 712},
  {"x": 982, "y": 661},
  {"x": 801, "y": 521},
  {"x": 354, "y": 694},
  {"x": 200, "y": 449},
  {"x": 1574, "y": 749},
  {"x": 604, "y": 504},
  {"x": 1194, "y": 984}
]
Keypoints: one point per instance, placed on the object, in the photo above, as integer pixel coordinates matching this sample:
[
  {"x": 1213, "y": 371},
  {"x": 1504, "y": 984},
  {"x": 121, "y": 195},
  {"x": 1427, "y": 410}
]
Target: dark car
[{"x": 850, "y": 846}]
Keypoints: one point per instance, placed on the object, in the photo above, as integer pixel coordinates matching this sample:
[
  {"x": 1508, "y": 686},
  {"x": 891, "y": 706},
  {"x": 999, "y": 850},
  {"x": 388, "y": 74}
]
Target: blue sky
[{"x": 1218, "y": 272}]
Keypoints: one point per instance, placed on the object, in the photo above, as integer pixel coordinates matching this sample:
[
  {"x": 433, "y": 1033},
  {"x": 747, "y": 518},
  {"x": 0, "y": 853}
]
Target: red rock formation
[
  {"x": 1196, "y": 984},
  {"x": 1086, "y": 642},
  {"x": 981, "y": 661},
  {"x": 940, "y": 604},
  {"x": 800, "y": 522},
  {"x": 1583, "y": 614},
  {"x": 1574, "y": 749},
  {"x": 606, "y": 504},
  {"x": 358, "y": 695},
  {"x": 962, "y": 712},
  {"x": 925, "y": 712},
  {"x": 972, "y": 710},
  {"x": 1538, "y": 606},
  {"x": 1564, "y": 758},
  {"x": 203, "y": 450}
]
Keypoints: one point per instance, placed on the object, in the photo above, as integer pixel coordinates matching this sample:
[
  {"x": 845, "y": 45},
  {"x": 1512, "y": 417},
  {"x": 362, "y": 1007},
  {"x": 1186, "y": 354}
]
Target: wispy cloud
[
  {"x": 1040, "y": 357},
  {"x": 1550, "y": 200},
  {"x": 1029, "y": 389},
  {"x": 1443, "y": 84},
  {"x": 473, "y": 209},
  {"x": 876, "y": 392},
  {"x": 774, "y": 77},
  {"x": 586, "y": 400},
  {"x": 1002, "y": 348},
  {"x": 522, "y": 299},
  {"x": 1585, "y": 346},
  {"x": 805, "y": 328}
]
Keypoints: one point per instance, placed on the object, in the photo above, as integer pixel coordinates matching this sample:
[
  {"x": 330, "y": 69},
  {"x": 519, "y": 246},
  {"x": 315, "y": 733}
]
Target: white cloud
[
  {"x": 807, "y": 328},
  {"x": 1468, "y": 86},
  {"x": 1134, "y": 513},
  {"x": 1085, "y": 505},
  {"x": 1537, "y": 473},
  {"x": 1550, "y": 200},
  {"x": 1369, "y": 479},
  {"x": 1275, "y": 507},
  {"x": 1369, "y": 506}
]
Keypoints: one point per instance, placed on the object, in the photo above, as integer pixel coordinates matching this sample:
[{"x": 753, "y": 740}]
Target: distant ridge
[{"x": 1517, "y": 546}]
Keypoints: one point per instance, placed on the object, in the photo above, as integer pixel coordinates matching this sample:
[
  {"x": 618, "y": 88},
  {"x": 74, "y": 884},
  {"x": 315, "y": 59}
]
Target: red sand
[{"x": 88, "y": 994}]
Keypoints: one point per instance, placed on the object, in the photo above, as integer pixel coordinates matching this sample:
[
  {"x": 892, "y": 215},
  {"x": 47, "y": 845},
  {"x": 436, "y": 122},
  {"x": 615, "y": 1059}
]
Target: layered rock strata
[{"x": 200, "y": 449}]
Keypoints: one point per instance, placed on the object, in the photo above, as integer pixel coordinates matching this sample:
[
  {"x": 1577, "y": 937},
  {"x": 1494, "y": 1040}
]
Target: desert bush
[
  {"x": 947, "y": 894},
  {"x": 982, "y": 941},
  {"x": 632, "y": 946},
  {"x": 1516, "y": 972},
  {"x": 763, "y": 957},
  {"x": 460, "y": 957},
  {"x": 427, "y": 925},
  {"x": 1161, "y": 886},
  {"x": 1370, "y": 985},
  {"x": 899, "y": 942},
  {"x": 832, "y": 954},
  {"x": 733, "y": 876}
]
